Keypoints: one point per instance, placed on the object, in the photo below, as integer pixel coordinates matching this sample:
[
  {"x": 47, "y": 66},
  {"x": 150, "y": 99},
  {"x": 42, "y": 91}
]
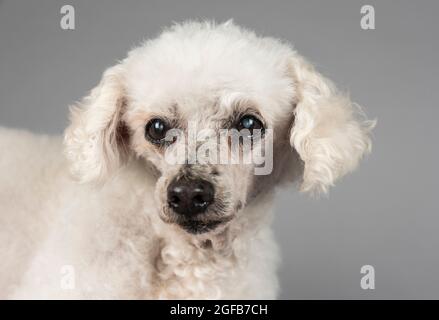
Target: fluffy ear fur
[
  {"x": 95, "y": 141},
  {"x": 328, "y": 132}
]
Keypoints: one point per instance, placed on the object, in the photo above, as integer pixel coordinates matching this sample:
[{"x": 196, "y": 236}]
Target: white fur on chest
[{"x": 228, "y": 266}]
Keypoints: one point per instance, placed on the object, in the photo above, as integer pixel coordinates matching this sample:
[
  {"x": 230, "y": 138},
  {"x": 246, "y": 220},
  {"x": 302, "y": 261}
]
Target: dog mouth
[
  {"x": 200, "y": 227},
  {"x": 197, "y": 225}
]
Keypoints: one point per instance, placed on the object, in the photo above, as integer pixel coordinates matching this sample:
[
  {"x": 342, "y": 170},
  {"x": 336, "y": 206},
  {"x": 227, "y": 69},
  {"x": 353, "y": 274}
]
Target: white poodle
[{"x": 134, "y": 225}]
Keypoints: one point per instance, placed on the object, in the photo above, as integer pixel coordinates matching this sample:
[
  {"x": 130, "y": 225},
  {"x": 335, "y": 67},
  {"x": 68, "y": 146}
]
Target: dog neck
[{"x": 183, "y": 260}]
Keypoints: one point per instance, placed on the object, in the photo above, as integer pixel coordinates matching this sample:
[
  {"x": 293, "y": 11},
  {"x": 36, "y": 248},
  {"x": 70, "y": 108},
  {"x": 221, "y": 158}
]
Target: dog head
[{"x": 187, "y": 94}]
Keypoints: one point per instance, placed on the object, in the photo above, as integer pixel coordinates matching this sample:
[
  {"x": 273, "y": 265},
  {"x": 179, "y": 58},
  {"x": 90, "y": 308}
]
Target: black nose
[{"x": 190, "y": 196}]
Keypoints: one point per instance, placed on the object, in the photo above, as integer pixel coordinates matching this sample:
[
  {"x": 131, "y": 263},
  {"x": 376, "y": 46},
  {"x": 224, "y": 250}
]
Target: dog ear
[
  {"x": 95, "y": 142},
  {"x": 328, "y": 133}
]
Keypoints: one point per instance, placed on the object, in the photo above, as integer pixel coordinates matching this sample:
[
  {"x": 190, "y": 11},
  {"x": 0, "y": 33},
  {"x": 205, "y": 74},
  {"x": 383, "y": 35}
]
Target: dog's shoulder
[
  {"x": 25, "y": 155},
  {"x": 13, "y": 139}
]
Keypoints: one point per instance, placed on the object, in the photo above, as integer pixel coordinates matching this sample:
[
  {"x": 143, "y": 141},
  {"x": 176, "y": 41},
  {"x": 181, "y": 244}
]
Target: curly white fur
[{"x": 113, "y": 234}]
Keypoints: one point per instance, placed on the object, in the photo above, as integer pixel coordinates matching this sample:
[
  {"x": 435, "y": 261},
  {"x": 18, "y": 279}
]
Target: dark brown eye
[
  {"x": 250, "y": 123},
  {"x": 155, "y": 130}
]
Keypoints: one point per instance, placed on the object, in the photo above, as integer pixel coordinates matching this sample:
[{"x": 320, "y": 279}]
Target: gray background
[{"x": 385, "y": 214}]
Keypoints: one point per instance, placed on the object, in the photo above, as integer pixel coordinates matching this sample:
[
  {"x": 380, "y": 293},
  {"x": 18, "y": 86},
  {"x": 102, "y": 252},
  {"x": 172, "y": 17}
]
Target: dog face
[{"x": 172, "y": 100}]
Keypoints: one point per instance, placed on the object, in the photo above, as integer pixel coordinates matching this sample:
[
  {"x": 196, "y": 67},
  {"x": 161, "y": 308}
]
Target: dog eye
[
  {"x": 155, "y": 130},
  {"x": 250, "y": 123}
]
